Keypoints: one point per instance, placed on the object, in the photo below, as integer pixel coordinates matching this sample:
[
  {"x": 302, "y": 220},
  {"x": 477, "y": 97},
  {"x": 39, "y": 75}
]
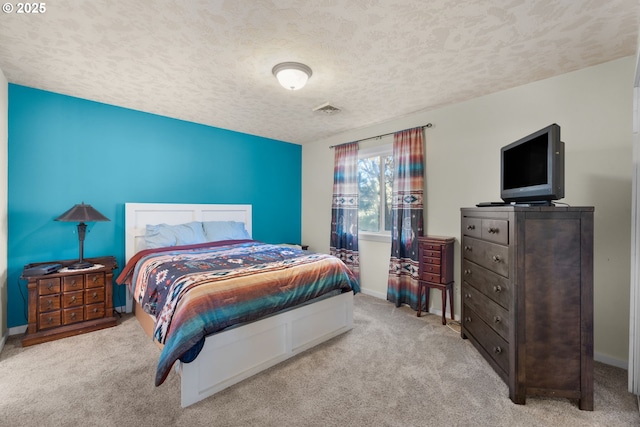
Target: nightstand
[
  {"x": 435, "y": 267},
  {"x": 69, "y": 302}
]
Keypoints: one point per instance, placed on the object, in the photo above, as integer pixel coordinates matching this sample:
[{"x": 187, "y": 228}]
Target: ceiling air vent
[{"x": 327, "y": 108}]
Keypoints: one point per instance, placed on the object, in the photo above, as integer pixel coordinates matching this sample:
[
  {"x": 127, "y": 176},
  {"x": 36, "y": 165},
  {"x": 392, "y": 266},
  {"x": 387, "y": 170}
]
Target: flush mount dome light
[{"x": 292, "y": 75}]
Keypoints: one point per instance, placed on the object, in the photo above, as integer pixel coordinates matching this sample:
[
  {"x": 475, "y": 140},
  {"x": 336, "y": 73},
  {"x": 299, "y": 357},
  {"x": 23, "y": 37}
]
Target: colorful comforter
[{"x": 194, "y": 291}]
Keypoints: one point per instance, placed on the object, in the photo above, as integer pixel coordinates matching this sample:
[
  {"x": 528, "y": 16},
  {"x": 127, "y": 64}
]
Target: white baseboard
[
  {"x": 608, "y": 360},
  {"x": 17, "y": 330}
]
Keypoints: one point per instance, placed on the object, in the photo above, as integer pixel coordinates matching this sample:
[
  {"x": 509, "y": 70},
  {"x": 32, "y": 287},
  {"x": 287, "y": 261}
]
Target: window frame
[{"x": 380, "y": 150}]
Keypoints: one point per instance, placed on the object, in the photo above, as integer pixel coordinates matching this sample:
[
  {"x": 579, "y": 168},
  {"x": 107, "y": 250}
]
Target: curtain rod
[{"x": 428, "y": 125}]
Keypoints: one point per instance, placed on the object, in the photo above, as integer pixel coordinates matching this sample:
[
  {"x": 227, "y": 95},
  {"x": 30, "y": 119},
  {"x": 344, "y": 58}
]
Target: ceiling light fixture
[{"x": 292, "y": 75}]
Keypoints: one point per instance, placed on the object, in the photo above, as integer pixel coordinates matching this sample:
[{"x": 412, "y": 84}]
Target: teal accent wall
[{"x": 65, "y": 150}]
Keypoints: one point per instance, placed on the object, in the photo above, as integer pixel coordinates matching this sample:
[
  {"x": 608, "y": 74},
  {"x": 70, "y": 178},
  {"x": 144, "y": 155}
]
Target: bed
[{"x": 241, "y": 350}]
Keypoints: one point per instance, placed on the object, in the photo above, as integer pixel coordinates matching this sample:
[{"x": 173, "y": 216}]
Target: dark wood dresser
[
  {"x": 69, "y": 302},
  {"x": 436, "y": 271},
  {"x": 527, "y": 297}
]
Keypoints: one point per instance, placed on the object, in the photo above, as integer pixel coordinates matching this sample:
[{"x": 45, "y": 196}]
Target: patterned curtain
[
  {"x": 406, "y": 217},
  {"x": 344, "y": 208}
]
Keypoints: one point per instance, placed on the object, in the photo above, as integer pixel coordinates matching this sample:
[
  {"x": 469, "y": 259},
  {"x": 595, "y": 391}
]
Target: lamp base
[{"x": 80, "y": 265}]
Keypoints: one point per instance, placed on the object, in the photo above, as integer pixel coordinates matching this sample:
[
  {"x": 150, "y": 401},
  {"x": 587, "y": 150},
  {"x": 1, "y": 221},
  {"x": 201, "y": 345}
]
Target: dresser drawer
[
  {"x": 496, "y": 347},
  {"x": 93, "y": 295},
  {"x": 493, "y": 285},
  {"x": 72, "y": 299},
  {"x": 495, "y": 230},
  {"x": 49, "y": 286},
  {"x": 472, "y": 227},
  {"x": 95, "y": 280},
  {"x": 429, "y": 270},
  {"x": 493, "y": 315},
  {"x": 72, "y": 283},
  {"x": 94, "y": 311},
  {"x": 489, "y": 255},
  {"x": 49, "y": 302},
  {"x": 72, "y": 315},
  {"x": 50, "y": 319}
]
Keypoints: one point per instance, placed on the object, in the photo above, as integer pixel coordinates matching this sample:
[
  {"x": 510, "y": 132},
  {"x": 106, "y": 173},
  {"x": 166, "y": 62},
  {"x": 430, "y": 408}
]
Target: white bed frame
[{"x": 234, "y": 355}]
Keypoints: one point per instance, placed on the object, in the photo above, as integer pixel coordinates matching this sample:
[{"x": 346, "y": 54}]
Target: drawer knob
[
  {"x": 73, "y": 316},
  {"x": 50, "y": 320},
  {"x": 50, "y": 286},
  {"x": 497, "y": 349},
  {"x": 95, "y": 295},
  {"x": 95, "y": 310},
  {"x": 467, "y": 272},
  {"x": 95, "y": 279},
  {"x": 467, "y": 296},
  {"x": 493, "y": 230},
  {"x": 497, "y": 289},
  {"x": 73, "y": 299},
  {"x": 471, "y": 227},
  {"x": 73, "y": 282},
  {"x": 467, "y": 319},
  {"x": 496, "y": 258},
  {"x": 496, "y": 319},
  {"x": 467, "y": 248}
]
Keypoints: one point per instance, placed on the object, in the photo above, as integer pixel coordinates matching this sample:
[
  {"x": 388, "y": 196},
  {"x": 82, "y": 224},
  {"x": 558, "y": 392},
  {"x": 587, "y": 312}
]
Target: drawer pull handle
[
  {"x": 497, "y": 289},
  {"x": 497, "y": 350},
  {"x": 95, "y": 310},
  {"x": 496, "y": 258},
  {"x": 467, "y": 272},
  {"x": 95, "y": 279},
  {"x": 467, "y": 296},
  {"x": 493, "y": 230},
  {"x": 73, "y": 282},
  {"x": 467, "y": 248},
  {"x": 496, "y": 319},
  {"x": 467, "y": 319},
  {"x": 50, "y": 320},
  {"x": 49, "y": 303},
  {"x": 471, "y": 227},
  {"x": 50, "y": 286},
  {"x": 73, "y": 316},
  {"x": 95, "y": 295},
  {"x": 73, "y": 299}
]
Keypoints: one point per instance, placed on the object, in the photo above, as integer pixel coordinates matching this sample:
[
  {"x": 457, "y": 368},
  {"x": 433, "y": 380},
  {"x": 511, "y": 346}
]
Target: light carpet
[{"x": 392, "y": 369}]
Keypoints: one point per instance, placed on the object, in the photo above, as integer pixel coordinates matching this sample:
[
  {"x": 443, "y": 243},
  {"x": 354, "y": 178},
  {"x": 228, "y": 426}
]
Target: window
[{"x": 375, "y": 185}]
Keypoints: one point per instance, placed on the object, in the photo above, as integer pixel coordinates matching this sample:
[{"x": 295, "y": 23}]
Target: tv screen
[{"x": 532, "y": 168}]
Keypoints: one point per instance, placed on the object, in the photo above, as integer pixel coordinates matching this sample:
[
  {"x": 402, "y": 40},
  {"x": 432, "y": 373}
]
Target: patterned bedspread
[{"x": 195, "y": 291}]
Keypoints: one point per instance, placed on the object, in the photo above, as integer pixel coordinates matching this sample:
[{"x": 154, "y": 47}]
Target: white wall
[
  {"x": 593, "y": 106},
  {"x": 4, "y": 139}
]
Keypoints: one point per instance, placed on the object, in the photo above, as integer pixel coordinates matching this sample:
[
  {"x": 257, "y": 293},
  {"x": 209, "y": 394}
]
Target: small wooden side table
[
  {"x": 436, "y": 271},
  {"x": 69, "y": 302}
]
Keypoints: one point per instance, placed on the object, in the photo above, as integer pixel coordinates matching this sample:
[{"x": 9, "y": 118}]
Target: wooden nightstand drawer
[
  {"x": 93, "y": 295},
  {"x": 72, "y": 283},
  {"x": 72, "y": 315},
  {"x": 72, "y": 299},
  {"x": 49, "y": 302},
  {"x": 49, "y": 286},
  {"x": 95, "y": 280},
  {"x": 69, "y": 301},
  {"x": 94, "y": 311},
  {"x": 50, "y": 319}
]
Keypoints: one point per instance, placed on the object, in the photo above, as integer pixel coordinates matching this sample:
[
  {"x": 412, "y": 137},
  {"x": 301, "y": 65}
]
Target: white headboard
[{"x": 138, "y": 215}]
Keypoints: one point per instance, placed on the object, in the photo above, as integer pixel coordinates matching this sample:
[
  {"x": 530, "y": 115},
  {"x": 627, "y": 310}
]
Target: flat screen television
[{"x": 532, "y": 168}]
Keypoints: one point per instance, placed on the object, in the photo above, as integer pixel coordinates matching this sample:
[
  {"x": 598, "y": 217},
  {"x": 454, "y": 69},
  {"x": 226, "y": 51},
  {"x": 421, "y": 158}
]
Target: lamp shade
[
  {"x": 82, "y": 213},
  {"x": 292, "y": 75}
]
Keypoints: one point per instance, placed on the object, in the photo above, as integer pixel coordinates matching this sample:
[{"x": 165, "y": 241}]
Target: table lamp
[{"x": 81, "y": 213}]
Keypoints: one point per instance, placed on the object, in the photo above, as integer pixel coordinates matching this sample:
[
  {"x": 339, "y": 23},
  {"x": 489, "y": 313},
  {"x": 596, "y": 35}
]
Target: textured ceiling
[{"x": 210, "y": 61}]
